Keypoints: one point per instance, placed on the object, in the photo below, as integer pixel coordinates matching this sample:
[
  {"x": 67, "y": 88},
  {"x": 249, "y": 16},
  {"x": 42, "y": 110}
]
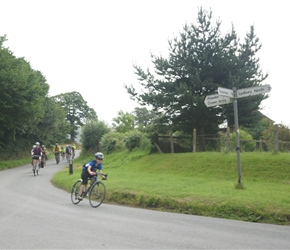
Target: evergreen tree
[{"x": 200, "y": 61}]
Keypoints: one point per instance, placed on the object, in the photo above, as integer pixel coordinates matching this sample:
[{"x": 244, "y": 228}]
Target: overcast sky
[{"x": 91, "y": 46}]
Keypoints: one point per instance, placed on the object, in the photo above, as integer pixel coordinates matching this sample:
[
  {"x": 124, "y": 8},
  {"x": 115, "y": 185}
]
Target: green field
[{"x": 196, "y": 183}]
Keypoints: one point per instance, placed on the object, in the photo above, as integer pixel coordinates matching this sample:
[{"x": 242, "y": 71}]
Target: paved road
[{"x": 36, "y": 215}]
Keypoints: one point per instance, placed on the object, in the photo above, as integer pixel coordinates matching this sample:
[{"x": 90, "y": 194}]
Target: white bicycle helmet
[{"x": 99, "y": 155}]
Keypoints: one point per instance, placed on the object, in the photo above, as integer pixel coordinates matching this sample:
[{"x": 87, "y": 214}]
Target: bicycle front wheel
[
  {"x": 75, "y": 192},
  {"x": 97, "y": 194}
]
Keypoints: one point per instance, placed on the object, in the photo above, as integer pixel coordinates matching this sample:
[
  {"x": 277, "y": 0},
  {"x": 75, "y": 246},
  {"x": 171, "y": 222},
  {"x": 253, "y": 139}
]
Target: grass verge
[
  {"x": 196, "y": 183},
  {"x": 193, "y": 183}
]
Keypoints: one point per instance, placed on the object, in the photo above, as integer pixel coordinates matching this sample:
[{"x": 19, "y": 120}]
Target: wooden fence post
[
  {"x": 228, "y": 140},
  {"x": 171, "y": 143},
  {"x": 276, "y": 141},
  {"x": 194, "y": 141}
]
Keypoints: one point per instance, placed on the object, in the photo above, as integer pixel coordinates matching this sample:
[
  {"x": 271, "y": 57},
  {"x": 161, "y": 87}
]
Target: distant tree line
[{"x": 28, "y": 114}]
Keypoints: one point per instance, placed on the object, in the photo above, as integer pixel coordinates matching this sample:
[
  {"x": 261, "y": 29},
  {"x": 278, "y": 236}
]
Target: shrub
[
  {"x": 136, "y": 139},
  {"x": 92, "y": 133},
  {"x": 246, "y": 143},
  {"x": 113, "y": 142}
]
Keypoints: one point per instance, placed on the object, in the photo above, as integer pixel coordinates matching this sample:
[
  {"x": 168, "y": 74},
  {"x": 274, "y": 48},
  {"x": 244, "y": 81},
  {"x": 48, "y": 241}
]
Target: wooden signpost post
[{"x": 226, "y": 96}]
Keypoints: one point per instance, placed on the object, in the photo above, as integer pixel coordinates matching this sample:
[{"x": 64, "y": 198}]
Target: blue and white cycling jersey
[{"x": 94, "y": 165}]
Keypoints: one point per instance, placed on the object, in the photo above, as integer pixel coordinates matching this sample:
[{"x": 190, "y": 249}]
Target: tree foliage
[
  {"x": 77, "y": 110},
  {"x": 22, "y": 96},
  {"x": 124, "y": 122},
  {"x": 136, "y": 139},
  {"x": 54, "y": 127},
  {"x": 200, "y": 61},
  {"x": 283, "y": 136},
  {"x": 144, "y": 119},
  {"x": 246, "y": 144},
  {"x": 92, "y": 133},
  {"x": 113, "y": 142}
]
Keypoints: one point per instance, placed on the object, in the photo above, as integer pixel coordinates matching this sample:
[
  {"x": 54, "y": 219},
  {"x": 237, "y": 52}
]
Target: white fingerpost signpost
[
  {"x": 226, "y": 96},
  {"x": 216, "y": 99}
]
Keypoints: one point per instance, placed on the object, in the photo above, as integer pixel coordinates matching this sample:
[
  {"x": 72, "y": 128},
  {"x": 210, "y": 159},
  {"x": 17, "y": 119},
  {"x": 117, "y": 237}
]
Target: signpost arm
[{"x": 235, "y": 102}]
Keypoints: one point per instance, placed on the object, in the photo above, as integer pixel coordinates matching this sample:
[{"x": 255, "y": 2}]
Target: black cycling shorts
[
  {"x": 85, "y": 176},
  {"x": 35, "y": 157}
]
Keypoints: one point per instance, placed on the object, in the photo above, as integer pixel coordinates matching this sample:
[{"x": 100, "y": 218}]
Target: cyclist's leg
[
  {"x": 34, "y": 165},
  {"x": 85, "y": 176},
  {"x": 37, "y": 165},
  {"x": 82, "y": 190},
  {"x": 56, "y": 158}
]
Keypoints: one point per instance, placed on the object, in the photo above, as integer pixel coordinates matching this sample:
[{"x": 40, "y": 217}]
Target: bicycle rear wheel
[
  {"x": 34, "y": 167},
  {"x": 57, "y": 158},
  {"x": 43, "y": 163},
  {"x": 37, "y": 168},
  {"x": 75, "y": 192},
  {"x": 97, "y": 194}
]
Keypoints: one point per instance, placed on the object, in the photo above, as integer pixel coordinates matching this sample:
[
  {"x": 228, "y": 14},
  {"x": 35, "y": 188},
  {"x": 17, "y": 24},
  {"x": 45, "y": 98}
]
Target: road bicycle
[
  {"x": 36, "y": 166},
  {"x": 96, "y": 191},
  {"x": 43, "y": 161},
  {"x": 57, "y": 157}
]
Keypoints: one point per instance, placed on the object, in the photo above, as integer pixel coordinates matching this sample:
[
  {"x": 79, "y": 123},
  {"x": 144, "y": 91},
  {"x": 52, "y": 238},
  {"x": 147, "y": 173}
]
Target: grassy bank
[
  {"x": 14, "y": 163},
  {"x": 197, "y": 183}
]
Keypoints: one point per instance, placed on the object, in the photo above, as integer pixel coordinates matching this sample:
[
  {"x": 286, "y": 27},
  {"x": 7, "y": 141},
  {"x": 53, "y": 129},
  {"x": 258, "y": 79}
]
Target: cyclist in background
[
  {"x": 89, "y": 171},
  {"x": 56, "y": 151},
  {"x": 67, "y": 151},
  {"x": 36, "y": 155},
  {"x": 44, "y": 152},
  {"x": 73, "y": 152},
  {"x": 62, "y": 151}
]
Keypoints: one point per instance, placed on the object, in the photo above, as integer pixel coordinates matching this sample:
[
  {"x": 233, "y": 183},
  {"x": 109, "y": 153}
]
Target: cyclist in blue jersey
[{"x": 89, "y": 171}]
